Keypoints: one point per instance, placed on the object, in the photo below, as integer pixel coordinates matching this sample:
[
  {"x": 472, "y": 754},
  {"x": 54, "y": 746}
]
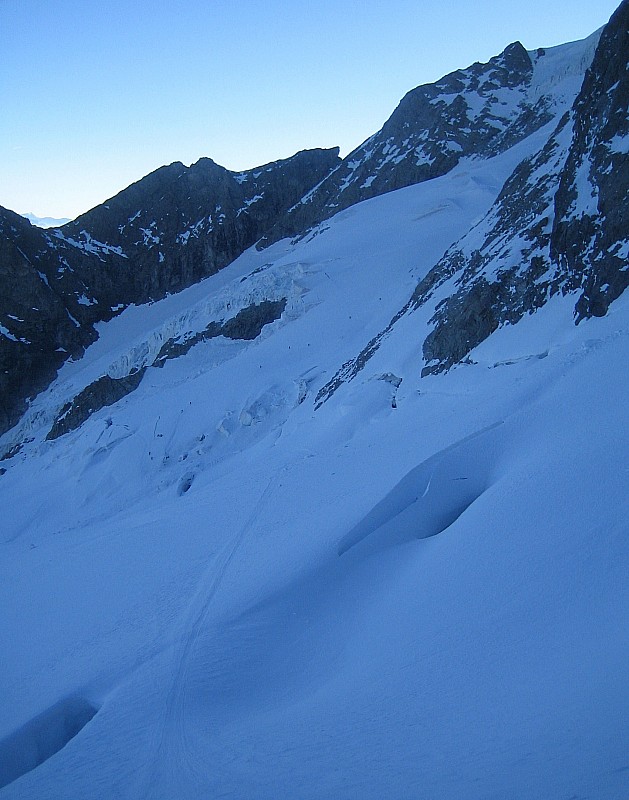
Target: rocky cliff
[{"x": 560, "y": 223}]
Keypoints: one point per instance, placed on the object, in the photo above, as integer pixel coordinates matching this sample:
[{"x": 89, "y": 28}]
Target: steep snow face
[
  {"x": 481, "y": 111},
  {"x": 558, "y": 71},
  {"x": 345, "y": 262},
  {"x": 220, "y": 586}
]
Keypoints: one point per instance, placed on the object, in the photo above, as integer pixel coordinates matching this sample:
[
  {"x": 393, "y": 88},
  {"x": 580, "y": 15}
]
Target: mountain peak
[
  {"x": 516, "y": 54},
  {"x": 481, "y": 110}
]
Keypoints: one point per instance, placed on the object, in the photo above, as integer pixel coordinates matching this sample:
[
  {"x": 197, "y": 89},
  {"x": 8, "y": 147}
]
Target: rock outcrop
[
  {"x": 43, "y": 317},
  {"x": 590, "y": 237},
  {"x": 559, "y": 225}
]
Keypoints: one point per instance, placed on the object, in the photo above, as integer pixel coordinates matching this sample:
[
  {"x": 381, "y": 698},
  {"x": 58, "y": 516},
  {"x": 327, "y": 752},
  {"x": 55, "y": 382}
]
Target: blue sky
[{"x": 95, "y": 95}]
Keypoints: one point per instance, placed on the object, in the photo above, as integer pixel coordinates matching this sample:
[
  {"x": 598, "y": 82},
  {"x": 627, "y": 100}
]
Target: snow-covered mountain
[
  {"x": 479, "y": 111},
  {"x": 161, "y": 234},
  {"x": 348, "y": 517}
]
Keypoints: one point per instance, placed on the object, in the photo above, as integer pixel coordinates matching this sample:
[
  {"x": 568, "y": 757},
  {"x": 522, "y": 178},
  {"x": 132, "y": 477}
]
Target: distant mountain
[{"x": 45, "y": 222}]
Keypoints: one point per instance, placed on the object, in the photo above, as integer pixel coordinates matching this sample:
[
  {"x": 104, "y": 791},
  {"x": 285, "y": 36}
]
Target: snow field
[{"x": 260, "y": 599}]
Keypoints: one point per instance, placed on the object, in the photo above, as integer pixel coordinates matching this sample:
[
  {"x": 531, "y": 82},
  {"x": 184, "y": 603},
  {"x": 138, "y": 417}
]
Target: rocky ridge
[
  {"x": 559, "y": 225},
  {"x": 168, "y": 231},
  {"x": 479, "y": 111}
]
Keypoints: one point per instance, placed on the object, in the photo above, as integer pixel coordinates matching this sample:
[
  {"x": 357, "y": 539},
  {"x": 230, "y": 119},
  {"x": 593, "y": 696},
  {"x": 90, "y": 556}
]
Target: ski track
[{"x": 171, "y": 736}]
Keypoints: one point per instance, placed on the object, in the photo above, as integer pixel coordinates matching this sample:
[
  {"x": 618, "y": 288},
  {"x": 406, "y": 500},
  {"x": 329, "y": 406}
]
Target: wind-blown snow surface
[{"x": 417, "y": 590}]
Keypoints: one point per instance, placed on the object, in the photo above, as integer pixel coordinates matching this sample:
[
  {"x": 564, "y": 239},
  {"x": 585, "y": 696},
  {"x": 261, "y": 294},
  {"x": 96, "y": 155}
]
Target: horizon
[{"x": 79, "y": 133}]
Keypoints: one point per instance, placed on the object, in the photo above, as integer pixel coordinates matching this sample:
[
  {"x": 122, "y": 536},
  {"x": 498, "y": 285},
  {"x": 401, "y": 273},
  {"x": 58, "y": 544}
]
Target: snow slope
[{"x": 418, "y": 589}]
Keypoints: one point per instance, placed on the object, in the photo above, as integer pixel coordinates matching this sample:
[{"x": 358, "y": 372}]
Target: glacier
[{"x": 219, "y": 587}]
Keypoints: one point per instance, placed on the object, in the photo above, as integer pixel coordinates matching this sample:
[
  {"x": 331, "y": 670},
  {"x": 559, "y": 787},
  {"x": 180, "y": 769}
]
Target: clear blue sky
[{"x": 94, "y": 95}]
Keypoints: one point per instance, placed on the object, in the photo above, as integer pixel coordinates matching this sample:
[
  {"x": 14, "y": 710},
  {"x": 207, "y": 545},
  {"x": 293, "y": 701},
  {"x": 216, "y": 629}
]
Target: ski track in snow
[{"x": 173, "y": 717}]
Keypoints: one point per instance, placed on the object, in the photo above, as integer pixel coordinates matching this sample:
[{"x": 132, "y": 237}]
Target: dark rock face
[
  {"x": 508, "y": 274},
  {"x": 103, "y": 392},
  {"x": 180, "y": 224},
  {"x": 171, "y": 229},
  {"x": 590, "y": 238},
  {"x": 560, "y": 224},
  {"x": 433, "y": 127},
  {"x": 246, "y": 325},
  {"x": 42, "y": 322}
]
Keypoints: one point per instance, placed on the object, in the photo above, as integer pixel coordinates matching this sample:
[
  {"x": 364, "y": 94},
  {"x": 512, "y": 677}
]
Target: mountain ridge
[
  {"x": 115, "y": 255},
  {"x": 180, "y": 224},
  {"x": 436, "y": 124}
]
